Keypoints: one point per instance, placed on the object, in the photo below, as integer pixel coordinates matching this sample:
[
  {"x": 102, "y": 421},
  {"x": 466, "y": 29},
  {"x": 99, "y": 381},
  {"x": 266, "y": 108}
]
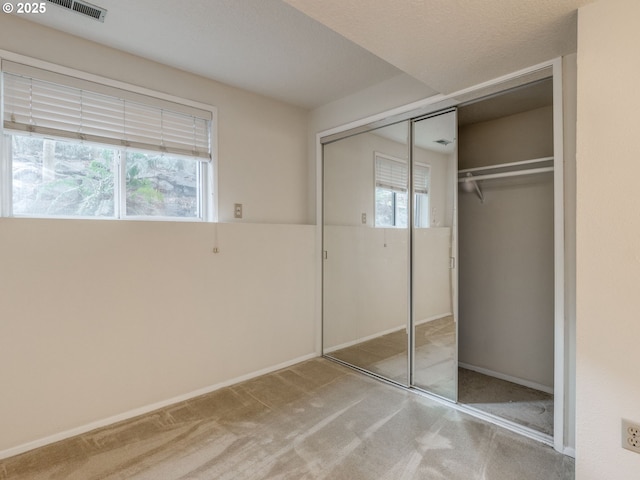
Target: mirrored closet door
[
  {"x": 389, "y": 282},
  {"x": 366, "y": 251},
  {"x": 434, "y": 278}
]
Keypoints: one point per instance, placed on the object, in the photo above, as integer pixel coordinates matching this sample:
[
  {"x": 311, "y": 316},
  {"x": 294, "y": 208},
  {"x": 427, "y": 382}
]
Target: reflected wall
[{"x": 366, "y": 247}]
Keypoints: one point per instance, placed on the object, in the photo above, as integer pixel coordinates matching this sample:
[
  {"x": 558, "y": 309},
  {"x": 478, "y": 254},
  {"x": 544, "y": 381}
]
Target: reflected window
[
  {"x": 421, "y": 187},
  {"x": 391, "y": 178},
  {"x": 391, "y": 192},
  {"x": 391, "y": 208}
]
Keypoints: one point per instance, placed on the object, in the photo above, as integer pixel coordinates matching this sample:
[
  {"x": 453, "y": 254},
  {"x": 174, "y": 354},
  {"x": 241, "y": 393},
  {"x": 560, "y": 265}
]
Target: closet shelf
[{"x": 501, "y": 166}]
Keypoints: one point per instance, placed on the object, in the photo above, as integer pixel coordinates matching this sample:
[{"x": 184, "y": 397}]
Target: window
[
  {"x": 56, "y": 178},
  {"x": 160, "y": 185},
  {"x": 391, "y": 178},
  {"x": 391, "y": 192},
  {"x": 74, "y": 148},
  {"x": 421, "y": 186},
  {"x": 391, "y": 208}
]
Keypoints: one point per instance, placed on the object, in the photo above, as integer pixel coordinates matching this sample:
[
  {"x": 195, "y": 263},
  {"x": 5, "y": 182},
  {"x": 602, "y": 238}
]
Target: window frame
[{"x": 207, "y": 169}]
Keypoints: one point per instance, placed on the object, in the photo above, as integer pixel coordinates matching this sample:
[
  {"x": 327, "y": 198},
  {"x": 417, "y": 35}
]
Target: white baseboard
[
  {"x": 569, "y": 452},
  {"x": 380, "y": 334},
  {"x": 508, "y": 378},
  {"x": 363, "y": 339},
  {"x": 10, "y": 452},
  {"x": 434, "y": 318}
]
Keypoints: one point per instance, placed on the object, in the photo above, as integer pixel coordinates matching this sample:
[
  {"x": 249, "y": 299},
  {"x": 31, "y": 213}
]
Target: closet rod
[
  {"x": 507, "y": 165},
  {"x": 489, "y": 176}
]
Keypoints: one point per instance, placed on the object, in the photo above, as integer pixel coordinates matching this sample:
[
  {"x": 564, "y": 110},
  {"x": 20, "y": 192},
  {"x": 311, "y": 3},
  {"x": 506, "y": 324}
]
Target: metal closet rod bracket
[{"x": 469, "y": 184}]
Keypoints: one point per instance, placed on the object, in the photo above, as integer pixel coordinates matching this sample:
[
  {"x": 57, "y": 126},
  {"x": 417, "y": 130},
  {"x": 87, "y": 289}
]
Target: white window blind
[
  {"x": 391, "y": 174},
  {"x": 48, "y": 103},
  {"x": 421, "y": 178}
]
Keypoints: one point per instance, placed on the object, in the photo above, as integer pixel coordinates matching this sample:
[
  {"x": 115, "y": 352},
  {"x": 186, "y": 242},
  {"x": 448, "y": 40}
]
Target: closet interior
[
  {"x": 439, "y": 252},
  {"x": 506, "y": 256}
]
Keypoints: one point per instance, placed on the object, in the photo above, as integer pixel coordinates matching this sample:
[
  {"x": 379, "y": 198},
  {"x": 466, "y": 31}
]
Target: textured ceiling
[
  {"x": 454, "y": 44},
  {"x": 321, "y": 51}
]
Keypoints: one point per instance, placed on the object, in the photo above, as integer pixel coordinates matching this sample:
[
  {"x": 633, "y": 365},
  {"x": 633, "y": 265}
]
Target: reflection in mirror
[
  {"x": 434, "y": 236},
  {"x": 366, "y": 244}
]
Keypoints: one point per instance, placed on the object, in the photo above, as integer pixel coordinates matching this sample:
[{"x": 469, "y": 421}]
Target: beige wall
[
  {"x": 506, "y": 294},
  {"x": 608, "y": 237},
  {"x": 523, "y": 136},
  {"x": 101, "y": 318}
]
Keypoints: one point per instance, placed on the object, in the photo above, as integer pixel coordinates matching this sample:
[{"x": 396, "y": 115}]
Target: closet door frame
[{"x": 440, "y": 102}]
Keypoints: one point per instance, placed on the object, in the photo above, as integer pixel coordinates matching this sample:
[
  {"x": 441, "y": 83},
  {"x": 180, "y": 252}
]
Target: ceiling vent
[{"x": 83, "y": 8}]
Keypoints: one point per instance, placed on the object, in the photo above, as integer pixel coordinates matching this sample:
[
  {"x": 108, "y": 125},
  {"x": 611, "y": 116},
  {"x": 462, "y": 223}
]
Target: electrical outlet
[
  {"x": 237, "y": 210},
  {"x": 631, "y": 435},
  {"x": 364, "y": 218}
]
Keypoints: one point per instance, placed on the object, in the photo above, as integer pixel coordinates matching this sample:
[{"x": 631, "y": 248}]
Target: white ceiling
[
  {"x": 265, "y": 46},
  {"x": 272, "y": 48}
]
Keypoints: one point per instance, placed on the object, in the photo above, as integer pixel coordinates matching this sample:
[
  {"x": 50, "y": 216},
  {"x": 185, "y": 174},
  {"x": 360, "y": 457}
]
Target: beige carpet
[
  {"x": 434, "y": 372},
  {"x": 314, "y": 420},
  {"x": 523, "y": 405}
]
